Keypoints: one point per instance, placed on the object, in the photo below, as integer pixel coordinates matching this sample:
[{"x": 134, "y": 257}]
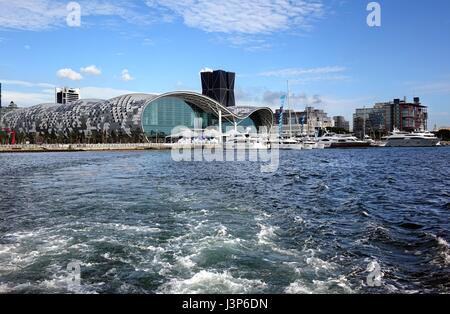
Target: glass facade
[
  {"x": 163, "y": 115},
  {"x": 160, "y": 117},
  {"x": 247, "y": 123}
]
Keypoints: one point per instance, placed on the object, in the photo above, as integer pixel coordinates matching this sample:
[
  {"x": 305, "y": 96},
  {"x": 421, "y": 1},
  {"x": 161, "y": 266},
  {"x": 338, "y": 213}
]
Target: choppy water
[{"x": 140, "y": 223}]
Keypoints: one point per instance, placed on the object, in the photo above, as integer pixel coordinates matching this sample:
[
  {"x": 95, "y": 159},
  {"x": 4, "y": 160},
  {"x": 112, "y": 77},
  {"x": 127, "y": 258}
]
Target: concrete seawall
[
  {"x": 93, "y": 147},
  {"x": 80, "y": 148}
]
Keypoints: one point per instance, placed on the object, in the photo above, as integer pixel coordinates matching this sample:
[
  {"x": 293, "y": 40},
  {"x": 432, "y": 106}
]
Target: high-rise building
[
  {"x": 65, "y": 95},
  {"x": 219, "y": 85},
  {"x": 385, "y": 117}
]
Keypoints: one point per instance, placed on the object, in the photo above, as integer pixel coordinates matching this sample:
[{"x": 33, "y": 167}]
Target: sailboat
[
  {"x": 289, "y": 143},
  {"x": 306, "y": 141}
]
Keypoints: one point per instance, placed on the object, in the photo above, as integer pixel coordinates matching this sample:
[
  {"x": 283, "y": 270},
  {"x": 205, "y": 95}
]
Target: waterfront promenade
[{"x": 32, "y": 148}]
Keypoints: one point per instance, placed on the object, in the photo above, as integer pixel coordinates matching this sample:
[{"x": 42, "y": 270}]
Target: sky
[{"x": 326, "y": 50}]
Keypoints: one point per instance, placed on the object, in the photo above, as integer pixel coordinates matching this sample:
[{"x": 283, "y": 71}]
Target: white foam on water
[
  {"x": 318, "y": 264},
  {"x": 299, "y": 220},
  {"x": 442, "y": 242},
  {"x": 266, "y": 234},
  {"x": 330, "y": 286},
  {"x": 298, "y": 287},
  {"x": 445, "y": 250},
  {"x": 264, "y": 217},
  {"x": 289, "y": 252},
  {"x": 212, "y": 283},
  {"x": 142, "y": 229},
  {"x": 222, "y": 232},
  {"x": 5, "y": 288},
  {"x": 185, "y": 262}
]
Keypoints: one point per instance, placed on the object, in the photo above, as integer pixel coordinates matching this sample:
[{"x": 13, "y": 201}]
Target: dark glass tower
[{"x": 219, "y": 85}]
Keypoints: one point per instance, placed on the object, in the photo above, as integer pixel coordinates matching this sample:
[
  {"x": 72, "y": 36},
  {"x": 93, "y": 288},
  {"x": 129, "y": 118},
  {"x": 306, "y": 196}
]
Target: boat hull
[
  {"x": 413, "y": 143},
  {"x": 350, "y": 145}
]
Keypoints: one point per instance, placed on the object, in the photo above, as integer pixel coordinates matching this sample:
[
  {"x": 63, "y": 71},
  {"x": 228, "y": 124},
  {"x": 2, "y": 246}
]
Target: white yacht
[
  {"x": 415, "y": 139},
  {"x": 332, "y": 140},
  {"x": 309, "y": 144},
  {"x": 241, "y": 141},
  {"x": 288, "y": 144}
]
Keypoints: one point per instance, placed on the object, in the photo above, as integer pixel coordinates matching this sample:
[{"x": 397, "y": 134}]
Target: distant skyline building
[
  {"x": 219, "y": 85},
  {"x": 65, "y": 95},
  {"x": 341, "y": 123},
  {"x": 385, "y": 117},
  {"x": 305, "y": 122}
]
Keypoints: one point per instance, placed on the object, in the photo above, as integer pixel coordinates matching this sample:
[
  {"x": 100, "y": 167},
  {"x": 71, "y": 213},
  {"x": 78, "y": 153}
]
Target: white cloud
[
  {"x": 272, "y": 99},
  {"x": 92, "y": 70},
  {"x": 244, "y": 17},
  {"x": 36, "y": 15},
  {"x": 295, "y": 72},
  {"x": 26, "y": 84},
  {"x": 27, "y": 47},
  {"x": 69, "y": 74},
  {"x": 126, "y": 76},
  {"x": 31, "y": 14}
]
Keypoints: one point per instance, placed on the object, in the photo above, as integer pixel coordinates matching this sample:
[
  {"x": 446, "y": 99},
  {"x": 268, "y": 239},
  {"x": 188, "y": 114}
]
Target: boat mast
[
  {"x": 364, "y": 125},
  {"x": 308, "y": 127},
  {"x": 290, "y": 110}
]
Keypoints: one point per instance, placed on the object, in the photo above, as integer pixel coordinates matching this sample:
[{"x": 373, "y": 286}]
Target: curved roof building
[{"x": 140, "y": 117}]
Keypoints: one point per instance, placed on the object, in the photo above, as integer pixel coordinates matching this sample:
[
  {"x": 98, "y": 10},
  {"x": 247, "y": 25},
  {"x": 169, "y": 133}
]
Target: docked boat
[
  {"x": 288, "y": 144},
  {"x": 240, "y": 141},
  {"x": 331, "y": 140},
  {"x": 309, "y": 144},
  {"x": 415, "y": 139}
]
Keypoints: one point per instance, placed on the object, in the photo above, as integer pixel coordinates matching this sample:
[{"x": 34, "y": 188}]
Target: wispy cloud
[
  {"x": 303, "y": 76},
  {"x": 240, "y": 23},
  {"x": 437, "y": 87},
  {"x": 272, "y": 99},
  {"x": 243, "y": 23},
  {"x": 37, "y": 15},
  {"x": 26, "y": 84},
  {"x": 243, "y": 17},
  {"x": 295, "y": 72},
  {"x": 148, "y": 42}
]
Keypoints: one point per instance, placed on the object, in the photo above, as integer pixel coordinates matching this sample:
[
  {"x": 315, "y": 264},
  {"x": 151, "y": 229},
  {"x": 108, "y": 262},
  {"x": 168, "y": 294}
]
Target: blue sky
[{"x": 325, "y": 48}]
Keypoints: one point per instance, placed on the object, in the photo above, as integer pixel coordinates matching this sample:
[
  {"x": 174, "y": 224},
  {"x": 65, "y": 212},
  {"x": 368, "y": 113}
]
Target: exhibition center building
[{"x": 130, "y": 118}]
